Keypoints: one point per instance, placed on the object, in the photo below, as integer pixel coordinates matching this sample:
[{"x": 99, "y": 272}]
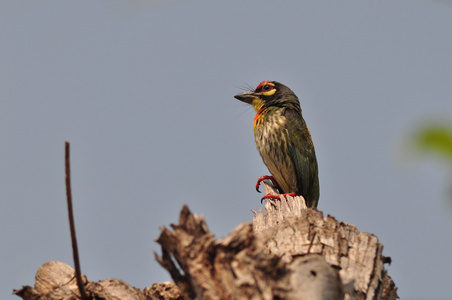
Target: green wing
[{"x": 303, "y": 157}]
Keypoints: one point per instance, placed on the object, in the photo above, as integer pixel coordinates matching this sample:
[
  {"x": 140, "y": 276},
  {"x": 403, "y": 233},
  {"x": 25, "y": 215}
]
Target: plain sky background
[{"x": 143, "y": 90}]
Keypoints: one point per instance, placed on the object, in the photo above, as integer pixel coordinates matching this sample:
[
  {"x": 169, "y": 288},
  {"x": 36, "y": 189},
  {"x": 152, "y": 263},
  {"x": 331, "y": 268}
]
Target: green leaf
[{"x": 435, "y": 139}]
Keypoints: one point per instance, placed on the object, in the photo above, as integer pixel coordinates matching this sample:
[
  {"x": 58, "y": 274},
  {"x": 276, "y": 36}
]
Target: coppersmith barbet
[{"x": 284, "y": 141}]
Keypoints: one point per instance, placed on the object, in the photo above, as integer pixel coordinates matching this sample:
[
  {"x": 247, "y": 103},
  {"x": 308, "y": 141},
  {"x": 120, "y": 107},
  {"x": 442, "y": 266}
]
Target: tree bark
[{"x": 288, "y": 252}]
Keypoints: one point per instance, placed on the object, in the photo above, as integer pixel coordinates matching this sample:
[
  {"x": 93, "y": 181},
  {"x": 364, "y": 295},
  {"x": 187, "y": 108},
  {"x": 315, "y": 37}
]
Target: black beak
[{"x": 246, "y": 97}]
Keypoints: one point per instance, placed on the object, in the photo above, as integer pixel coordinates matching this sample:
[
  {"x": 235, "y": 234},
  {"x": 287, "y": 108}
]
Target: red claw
[
  {"x": 262, "y": 178},
  {"x": 277, "y": 197}
]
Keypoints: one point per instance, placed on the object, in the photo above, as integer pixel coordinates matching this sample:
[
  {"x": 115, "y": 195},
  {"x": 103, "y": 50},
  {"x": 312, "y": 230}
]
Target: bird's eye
[{"x": 267, "y": 88}]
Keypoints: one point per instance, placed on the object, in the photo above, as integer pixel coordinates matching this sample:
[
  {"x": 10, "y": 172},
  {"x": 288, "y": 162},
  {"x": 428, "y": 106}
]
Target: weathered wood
[
  {"x": 56, "y": 281},
  {"x": 53, "y": 280},
  {"x": 163, "y": 291},
  {"x": 292, "y": 230},
  {"x": 239, "y": 267},
  {"x": 234, "y": 267},
  {"x": 288, "y": 252},
  {"x": 347, "y": 264},
  {"x": 357, "y": 255}
]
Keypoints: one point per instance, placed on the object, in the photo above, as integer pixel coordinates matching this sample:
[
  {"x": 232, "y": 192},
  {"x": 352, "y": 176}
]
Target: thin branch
[
  {"x": 78, "y": 271},
  {"x": 311, "y": 243}
]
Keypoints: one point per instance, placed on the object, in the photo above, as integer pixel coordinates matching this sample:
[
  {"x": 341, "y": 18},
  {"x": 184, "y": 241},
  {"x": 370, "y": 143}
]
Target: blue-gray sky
[{"x": 144, "y": 92}]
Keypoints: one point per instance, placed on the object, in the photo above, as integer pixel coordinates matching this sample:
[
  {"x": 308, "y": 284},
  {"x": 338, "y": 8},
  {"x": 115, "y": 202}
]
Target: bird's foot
[
  {"x": 277, "y": 197},
  {"x": 262, "y": 178}
]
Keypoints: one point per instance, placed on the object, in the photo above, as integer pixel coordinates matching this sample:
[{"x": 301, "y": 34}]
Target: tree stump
[{"x": 288, "y": 252}]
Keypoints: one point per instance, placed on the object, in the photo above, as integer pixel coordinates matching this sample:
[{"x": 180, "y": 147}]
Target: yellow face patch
[
  {"x": 269, "y": 93},
  {"x": 257, "y": 104}
]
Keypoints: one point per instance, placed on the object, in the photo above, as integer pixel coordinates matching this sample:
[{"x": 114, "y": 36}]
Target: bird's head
[{"x": 270, "y": 93}]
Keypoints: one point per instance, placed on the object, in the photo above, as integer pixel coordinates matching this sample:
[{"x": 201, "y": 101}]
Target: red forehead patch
[{"x": 262, "y": 84}]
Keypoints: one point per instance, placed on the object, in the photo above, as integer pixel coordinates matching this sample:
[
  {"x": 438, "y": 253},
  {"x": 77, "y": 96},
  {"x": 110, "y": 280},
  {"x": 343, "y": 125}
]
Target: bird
[{"x": 284, "y": 141}]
